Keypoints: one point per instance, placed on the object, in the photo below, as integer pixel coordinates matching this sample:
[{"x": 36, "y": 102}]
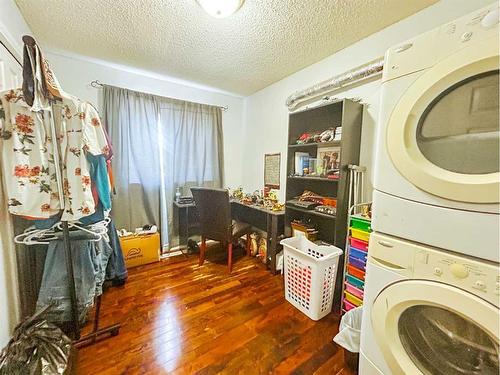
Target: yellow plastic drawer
[
  {"x": 359, "y": 234},
  {"x": 353, "y": 299}
]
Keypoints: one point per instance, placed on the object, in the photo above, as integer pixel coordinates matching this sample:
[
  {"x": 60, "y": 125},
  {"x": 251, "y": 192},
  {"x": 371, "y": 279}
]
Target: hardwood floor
[{"x": 179, "y": 318}]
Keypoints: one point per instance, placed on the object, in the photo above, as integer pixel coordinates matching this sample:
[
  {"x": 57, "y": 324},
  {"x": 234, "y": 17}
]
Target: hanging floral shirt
[{"x": 28, "y": 149}]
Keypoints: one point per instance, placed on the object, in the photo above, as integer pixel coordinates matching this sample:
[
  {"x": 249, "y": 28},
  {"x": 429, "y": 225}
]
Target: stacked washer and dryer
[{"x": 431, "y": 302}]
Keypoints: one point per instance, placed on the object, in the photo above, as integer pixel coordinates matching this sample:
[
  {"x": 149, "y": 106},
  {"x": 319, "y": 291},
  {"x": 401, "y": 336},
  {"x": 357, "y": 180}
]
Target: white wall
[
  {"x": 12, "y": 27},
  {"x": 76, "y": 72},
  {"x": 266, "y": 115}
]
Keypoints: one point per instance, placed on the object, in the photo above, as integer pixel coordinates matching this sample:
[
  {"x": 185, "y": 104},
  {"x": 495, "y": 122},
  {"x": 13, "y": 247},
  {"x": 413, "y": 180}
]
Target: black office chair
[{"x": 214, "y": 211}]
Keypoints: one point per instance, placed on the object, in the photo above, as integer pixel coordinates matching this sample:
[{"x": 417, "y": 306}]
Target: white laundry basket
[{"x": 310, "y": 273}]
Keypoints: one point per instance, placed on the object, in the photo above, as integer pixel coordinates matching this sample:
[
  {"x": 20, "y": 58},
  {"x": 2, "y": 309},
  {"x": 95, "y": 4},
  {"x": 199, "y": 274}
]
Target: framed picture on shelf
[{"x": 328, "y": 159}]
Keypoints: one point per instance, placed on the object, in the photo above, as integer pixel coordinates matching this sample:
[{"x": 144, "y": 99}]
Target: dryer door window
[
  {"x": 443, "y": 134},
  {"x": 440, "y": 341},
  {"x": 459, "y": 131}
]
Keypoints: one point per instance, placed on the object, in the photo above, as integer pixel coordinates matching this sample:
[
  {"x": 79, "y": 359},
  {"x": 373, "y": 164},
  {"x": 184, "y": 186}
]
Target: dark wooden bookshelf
[{"x": 331, "y": 229}]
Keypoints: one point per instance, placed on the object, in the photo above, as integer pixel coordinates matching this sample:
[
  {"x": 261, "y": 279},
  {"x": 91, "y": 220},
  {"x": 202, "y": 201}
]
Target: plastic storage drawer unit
[
  {"x": 353, "y": 299},
  {"x": 358, "y": 263},
  {"x": 354, "y": 291},
  {"x": 356, "y": 272},
  {"x": 355, "y": 281},
  {"x": 358, "y": 254},
  {"x": 360, "y": 234},
  {"x": 358, "y": 244},
  {"x": 361, "y": 224},
  {"x": 348, "y": 305}
]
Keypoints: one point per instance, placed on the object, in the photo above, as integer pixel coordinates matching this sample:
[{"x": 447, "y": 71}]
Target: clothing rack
[
  {"x": 96, "y": 332},
  {"x": 99, "y": 85}
]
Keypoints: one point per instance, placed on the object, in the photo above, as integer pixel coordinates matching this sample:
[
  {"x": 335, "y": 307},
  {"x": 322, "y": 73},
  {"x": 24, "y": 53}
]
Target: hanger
[
  {"x": 83, "y": 229},
  {"x": 30, "y": 237},
  {"x": 20, "y": 237},
  {"x": 43, "y": 236}
]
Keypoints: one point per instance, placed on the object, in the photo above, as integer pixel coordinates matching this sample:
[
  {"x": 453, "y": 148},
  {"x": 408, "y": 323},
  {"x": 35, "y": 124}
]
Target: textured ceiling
[{"x": 266, "y": 40}]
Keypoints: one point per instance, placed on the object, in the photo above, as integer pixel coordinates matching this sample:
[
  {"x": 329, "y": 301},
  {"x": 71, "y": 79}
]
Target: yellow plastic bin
[{"x": 359, "y": 234}]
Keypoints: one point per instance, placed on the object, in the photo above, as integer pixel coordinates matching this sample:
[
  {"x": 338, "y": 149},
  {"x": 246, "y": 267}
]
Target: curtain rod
[
  {"x": 99, "y": 85},
  {"x": 11, "y": 53}
]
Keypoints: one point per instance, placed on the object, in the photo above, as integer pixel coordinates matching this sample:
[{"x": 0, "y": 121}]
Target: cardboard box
[{"x": 143, "y": 249}]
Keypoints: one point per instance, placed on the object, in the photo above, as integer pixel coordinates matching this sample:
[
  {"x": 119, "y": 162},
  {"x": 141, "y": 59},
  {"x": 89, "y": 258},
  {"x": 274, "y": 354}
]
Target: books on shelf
[{"x": 301, "y": 162}]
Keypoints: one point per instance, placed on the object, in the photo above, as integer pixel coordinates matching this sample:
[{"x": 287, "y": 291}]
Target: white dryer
[
  {"x": 428, "y": 311},
  {"x": 436, "y": 165}
]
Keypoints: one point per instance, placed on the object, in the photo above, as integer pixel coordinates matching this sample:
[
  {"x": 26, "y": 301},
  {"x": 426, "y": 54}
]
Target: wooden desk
[{"x": 271, "y": 222}]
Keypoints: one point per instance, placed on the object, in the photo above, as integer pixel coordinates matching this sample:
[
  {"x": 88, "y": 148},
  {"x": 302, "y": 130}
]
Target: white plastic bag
[
  {"x": 279, "y": 261},
  {"x": 350, "y": 330}
]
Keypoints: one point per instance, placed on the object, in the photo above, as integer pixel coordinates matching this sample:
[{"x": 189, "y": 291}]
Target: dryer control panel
[
  {"x": 427, "y": 49},
  {"x": 481, "y": 278}
]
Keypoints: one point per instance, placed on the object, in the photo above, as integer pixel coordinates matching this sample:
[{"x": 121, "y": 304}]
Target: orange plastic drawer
[{"x": 356, "y": 272}]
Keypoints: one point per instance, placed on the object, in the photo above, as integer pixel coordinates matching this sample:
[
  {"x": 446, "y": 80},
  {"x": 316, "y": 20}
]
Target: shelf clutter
[{"x": 356, "y": 256}]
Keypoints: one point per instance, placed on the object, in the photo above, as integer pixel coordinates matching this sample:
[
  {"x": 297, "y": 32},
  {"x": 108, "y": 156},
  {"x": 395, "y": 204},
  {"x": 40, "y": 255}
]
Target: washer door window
[
  {"x": 443, "y": 135},
  {"x": 440, "y": 341},
  {"x": 426, "y": 327}
]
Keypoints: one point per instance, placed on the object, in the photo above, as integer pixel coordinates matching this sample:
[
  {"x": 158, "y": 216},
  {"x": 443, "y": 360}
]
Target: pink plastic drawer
[
  {"x": 358, "y": 244},
  {"x": 348, "y": 305},
  {"x": 354, "y": 291}
]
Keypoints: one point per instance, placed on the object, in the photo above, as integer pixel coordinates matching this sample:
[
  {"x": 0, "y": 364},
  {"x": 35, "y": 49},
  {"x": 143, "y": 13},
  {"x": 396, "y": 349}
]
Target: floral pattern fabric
[{"x": 28, "y": 149}]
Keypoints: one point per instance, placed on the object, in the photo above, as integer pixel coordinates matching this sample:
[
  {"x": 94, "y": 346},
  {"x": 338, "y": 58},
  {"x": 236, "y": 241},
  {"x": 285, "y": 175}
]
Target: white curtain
[{"x": 159, "y": 144}]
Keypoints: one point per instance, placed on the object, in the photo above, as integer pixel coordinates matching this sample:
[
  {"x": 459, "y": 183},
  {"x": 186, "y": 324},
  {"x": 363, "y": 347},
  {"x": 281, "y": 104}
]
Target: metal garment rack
[
  {"x": 90, "y": 338},
  {"x": 112, "y": 330}
]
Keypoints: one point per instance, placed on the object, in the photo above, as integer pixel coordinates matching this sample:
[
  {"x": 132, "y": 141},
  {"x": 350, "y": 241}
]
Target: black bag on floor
[{"x": 37, "y": 347}]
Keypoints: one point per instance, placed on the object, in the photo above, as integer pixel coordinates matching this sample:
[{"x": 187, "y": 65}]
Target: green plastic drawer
[
  {"x": 361, "y": 224},
  {"x": 355, "y": 281}
]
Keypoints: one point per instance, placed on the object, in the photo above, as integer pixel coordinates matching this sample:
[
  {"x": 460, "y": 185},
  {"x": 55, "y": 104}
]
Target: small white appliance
[
  {"x": 428, "y": 311},
  {"x": 436, "y": 165}
]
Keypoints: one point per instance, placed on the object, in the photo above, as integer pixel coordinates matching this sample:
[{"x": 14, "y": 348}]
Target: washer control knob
[
  {"x": 480, "y": 285},
  {"x": 438, "y": 271},
  {"x": 459, "y": 270}
]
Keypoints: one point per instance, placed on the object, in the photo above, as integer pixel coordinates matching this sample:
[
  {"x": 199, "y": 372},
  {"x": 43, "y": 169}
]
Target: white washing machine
[
  {"x": 436, "y": 165},
  {"x": 428, "y": 311}
]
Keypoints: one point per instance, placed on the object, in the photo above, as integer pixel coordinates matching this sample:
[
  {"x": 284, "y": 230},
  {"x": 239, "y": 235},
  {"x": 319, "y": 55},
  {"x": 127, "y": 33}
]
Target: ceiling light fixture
[{"x": 220, "y": 8}]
